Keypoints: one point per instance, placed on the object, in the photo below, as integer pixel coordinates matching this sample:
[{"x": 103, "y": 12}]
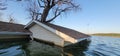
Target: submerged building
[
  {"x": 46, "y": 32},
  {"x": 58, "y": 35}
]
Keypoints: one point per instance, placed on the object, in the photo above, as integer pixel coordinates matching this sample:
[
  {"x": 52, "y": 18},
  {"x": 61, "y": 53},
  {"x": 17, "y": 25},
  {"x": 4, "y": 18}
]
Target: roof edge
[
  {"x": 15, "y": 33},
  {"x": 60, "y": 34},
  {"x": 29, "y": 24}
]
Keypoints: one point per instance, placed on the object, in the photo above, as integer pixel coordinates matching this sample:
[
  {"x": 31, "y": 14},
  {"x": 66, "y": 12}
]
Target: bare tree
[
  {"x": 11, "y": 19},
  {"x": 48, "y": 10}
]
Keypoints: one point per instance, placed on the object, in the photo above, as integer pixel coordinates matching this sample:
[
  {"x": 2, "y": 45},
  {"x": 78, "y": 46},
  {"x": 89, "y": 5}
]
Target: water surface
[{"x": 99, "y": 46}]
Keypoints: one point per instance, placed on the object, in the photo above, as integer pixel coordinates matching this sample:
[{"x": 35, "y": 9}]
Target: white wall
[
  {"x": 62, "y": 35},
  {"x": 41, "y": 33}
]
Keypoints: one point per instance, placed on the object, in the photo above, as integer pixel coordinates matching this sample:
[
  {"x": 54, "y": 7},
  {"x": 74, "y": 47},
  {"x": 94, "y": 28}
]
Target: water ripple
[
  {"x": 104, "y": 46},
  {"x": 99, "y": 46}
]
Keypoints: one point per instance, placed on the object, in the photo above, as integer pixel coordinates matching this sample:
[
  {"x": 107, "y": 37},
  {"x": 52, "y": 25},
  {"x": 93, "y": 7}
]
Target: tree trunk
[{"x": 45, "y": 14}]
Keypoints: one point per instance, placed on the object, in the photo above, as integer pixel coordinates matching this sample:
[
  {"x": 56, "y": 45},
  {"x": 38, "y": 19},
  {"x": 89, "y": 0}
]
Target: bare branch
[
  {"x": 40, "y": 4},
  {"x": 48, "y": 10},
  {"x": 56, "y": 14},
  {"x": 53, "y": 17},
  {"x": 48, "y": 3},
  {"x": 53, "y": 3}
]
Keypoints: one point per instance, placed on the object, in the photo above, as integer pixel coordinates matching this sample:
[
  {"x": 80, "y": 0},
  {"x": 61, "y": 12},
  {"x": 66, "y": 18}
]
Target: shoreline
[{"x": 107, "y": 36}]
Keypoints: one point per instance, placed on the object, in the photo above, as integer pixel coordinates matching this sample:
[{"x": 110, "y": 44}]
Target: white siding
[
  {"x": 62, "y": 35},
  {"x": 43, "y": 34}
]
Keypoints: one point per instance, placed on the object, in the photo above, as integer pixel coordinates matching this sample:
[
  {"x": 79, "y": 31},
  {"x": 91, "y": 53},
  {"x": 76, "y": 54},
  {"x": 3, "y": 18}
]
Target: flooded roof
[
  {"x": 73, "y": 33},
  {"x": 12, "y": 27}
]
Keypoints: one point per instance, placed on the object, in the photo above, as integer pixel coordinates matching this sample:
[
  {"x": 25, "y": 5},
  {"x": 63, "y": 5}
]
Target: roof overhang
[
  {"x": 81, "y": 39},
  {"x": 13, "y": 33},
  {"x": 31, "y": 23}
]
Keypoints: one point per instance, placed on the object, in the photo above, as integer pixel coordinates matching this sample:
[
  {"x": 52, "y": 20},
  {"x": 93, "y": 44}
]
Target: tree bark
[{"x": 45, "y": 14}]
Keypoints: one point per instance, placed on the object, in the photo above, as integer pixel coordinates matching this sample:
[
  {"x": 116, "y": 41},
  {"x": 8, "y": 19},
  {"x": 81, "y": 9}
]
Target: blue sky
[{"x": 96, "y": 16}]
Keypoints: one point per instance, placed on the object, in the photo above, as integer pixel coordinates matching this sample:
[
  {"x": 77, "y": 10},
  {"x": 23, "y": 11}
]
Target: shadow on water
[
  {"x": 33, "y": 48},
  {"x": 77, "y": 49}
]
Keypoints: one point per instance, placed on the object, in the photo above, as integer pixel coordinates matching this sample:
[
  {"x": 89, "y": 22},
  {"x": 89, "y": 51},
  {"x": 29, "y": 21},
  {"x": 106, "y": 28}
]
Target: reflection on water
[
  {"x": 99, "y": 46},
  {"x": 77, "y": 49},
  {"x": 31, "y": 48}
]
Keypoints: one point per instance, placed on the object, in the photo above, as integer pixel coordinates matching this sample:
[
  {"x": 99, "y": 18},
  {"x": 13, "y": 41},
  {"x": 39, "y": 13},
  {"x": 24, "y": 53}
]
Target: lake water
[{"x": 99, "y": 46}]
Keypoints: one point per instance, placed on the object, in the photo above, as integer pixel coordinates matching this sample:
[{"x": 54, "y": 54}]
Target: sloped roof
[
  {"x": 73, "y": 33},
  {"x": 11, "y": 27},
  {"x": 70, "y": 32}
]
